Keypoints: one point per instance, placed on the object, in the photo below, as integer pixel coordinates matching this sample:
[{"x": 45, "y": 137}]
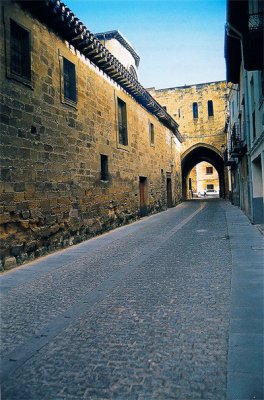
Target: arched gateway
[{"x": 198, "y": 153}]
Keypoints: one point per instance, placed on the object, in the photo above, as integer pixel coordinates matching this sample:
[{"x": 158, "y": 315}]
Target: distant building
[
  {"x": 244, "y": 62},
  {"x": 200, "y": 111},
  {"x": 85, "y": 148}
]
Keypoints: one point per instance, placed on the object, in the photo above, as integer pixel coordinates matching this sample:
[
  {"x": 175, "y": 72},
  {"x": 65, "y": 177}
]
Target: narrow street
[{"x": 168, "y": 307}]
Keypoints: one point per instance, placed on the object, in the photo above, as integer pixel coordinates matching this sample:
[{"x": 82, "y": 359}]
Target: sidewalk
[{"x": 245, "y": 360}]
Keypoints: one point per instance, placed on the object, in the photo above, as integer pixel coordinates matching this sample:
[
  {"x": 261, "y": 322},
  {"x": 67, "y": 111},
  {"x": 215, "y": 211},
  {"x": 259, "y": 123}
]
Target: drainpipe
[{"x": 239, "y": 37}]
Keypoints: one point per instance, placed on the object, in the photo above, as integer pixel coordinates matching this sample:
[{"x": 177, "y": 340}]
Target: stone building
[
  {"x": 200, "y": 111},
  {"x": 244, "y": 64},
  {"x": 85, "y": 148}
]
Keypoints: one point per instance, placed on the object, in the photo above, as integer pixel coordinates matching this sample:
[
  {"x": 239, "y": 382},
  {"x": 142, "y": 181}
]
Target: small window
[
  {"x": 210, "y": 187},
  {"x": 122, "y": 123},
  {"x": 210, "y": 108},
  {"x": 69, "y": 80},
  {"x": 195, "y": 110},
  {"x": 209, "y": 170},
  {"x": 104, "y": 168},
  {"x": 20, "y": 57},
  {"x": 151, "y": 133},
  {"x": 165, "y": 108}
]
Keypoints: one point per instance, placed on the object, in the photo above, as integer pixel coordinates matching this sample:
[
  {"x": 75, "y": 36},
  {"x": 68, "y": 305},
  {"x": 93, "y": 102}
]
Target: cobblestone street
[{"x": 142, "y": 312}]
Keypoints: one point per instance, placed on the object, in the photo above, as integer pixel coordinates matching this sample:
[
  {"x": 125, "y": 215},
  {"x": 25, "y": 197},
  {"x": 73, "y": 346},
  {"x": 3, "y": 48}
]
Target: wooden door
[{"x": 143, "y": 209}]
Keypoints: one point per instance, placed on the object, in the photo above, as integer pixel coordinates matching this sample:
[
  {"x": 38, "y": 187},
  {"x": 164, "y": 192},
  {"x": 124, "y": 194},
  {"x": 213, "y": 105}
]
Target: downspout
[{"x": 240, "y": 38}]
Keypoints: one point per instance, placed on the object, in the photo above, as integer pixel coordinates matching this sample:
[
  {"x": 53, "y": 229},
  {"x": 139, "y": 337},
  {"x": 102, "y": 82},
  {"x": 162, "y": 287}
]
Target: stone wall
[
  {"x": 52, "y": 192},
  {"x": 204, "y": 129}
]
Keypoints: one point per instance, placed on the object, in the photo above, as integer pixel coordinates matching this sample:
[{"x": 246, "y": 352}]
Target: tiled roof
[{"x": 64, "y": 22}]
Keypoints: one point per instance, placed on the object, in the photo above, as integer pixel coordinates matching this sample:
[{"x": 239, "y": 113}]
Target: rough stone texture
[
  {"x": 203, "y": 131},
  {"x": 51, "y": 190},
  {"x": 10, "y": 262},
  {"x": 140, "y": 313}
]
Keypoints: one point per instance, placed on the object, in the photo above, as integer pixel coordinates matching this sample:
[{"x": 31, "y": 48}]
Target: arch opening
[
  {"x": 202, "y": 180},
  {"x": 208, "y": 156}
]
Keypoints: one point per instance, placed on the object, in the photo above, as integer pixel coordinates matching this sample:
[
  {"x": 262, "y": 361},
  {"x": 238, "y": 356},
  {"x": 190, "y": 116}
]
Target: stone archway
[{"x": 198, "y": 153}]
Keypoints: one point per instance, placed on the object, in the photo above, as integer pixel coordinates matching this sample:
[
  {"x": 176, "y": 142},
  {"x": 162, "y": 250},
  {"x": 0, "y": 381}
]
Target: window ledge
[
  {"x": 70, "y": 103},
  {"x": 19, "y": 79},
  {"x": 123, "y": 147}
]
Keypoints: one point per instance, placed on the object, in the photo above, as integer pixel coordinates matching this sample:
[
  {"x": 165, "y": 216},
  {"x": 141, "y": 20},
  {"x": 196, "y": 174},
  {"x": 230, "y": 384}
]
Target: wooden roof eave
[{"x": 83, "y": 40}]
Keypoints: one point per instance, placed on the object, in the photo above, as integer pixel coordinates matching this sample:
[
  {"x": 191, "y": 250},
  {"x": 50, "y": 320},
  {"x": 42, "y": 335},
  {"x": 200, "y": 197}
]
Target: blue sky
[{"x": 179, "y": 41}]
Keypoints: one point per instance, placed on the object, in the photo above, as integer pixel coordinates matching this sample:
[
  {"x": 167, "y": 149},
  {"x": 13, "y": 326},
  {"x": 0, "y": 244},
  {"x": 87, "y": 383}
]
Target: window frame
[
  {"x": 151, "y": 134},
  {"x": 121, "y": 105},
  {"x": 195, "y": 110},
  {"x": 63, "y": 55},
  {"x": 104, "y": 172},
  {"x": 8, "y": 21},
  {"x": 210, "y": 108},
  {"x": 211, "y": 169}
]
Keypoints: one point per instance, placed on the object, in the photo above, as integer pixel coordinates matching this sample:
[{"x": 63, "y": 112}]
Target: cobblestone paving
[{"x": 161, "y": 332}]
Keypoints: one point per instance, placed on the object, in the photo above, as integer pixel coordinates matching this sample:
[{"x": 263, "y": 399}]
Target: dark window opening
[
  {"x": 190, "y": 183},
  {"x": 209, "y": 170},
  {"x": 104, "y": 168},
  {"x": 210, "y": 186},
  {"x": 195, "y": 110},
  {"x": 210, "y": 108},
  {"x": 151, "y": 133},
  {"x": 20, "y": 51},
  {"x": 69, "y": 78},
  {"x": 122, "y": 123},
  {"x": 165, "y": 108}
]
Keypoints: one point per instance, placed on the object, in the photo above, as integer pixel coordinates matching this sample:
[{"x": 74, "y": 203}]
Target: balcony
[
  {"x": 238, "y": 145},
  {"x": 253, "y": 42},
  {"x": 255, "y": 22}
]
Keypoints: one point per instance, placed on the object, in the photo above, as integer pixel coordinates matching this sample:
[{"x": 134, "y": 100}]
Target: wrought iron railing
[
  {"x": 238, "y": 139},
  {"x": 255, "y": 21}
]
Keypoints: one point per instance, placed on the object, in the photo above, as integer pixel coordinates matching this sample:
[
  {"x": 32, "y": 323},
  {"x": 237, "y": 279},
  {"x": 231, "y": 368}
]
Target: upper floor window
[
  {"x": 195, "y": 110},
  {"x": 151, "y": 133},
  {"x": 69, "y": 81},
  {"x": 209, "y": 170},
  {"x": 122, "y": 122},
  {"x": 20, "y": 57},
  {"x": 210, "y": 108}
]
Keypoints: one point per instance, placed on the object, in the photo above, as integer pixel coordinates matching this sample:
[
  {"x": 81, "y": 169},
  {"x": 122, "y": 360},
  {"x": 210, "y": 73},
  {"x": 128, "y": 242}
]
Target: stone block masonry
[{"x": 52, "y": 191}]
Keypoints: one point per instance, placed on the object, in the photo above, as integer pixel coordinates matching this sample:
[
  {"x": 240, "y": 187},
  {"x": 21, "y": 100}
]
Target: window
[
  {"x": 69, "y": 80},
  {"x": 210, "y": 187},
  {"x": 151, "y": 133},
  {"x": 210, "y": 108},
  {"x": 20, "y": 58},
  {"x": 195, "y": 110},
  {"x": 122, "y": 123},
  {"x": 165, "y": 108},
  {"x": 209, "y": 170},
  {"x": 104, "y": 168}
]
